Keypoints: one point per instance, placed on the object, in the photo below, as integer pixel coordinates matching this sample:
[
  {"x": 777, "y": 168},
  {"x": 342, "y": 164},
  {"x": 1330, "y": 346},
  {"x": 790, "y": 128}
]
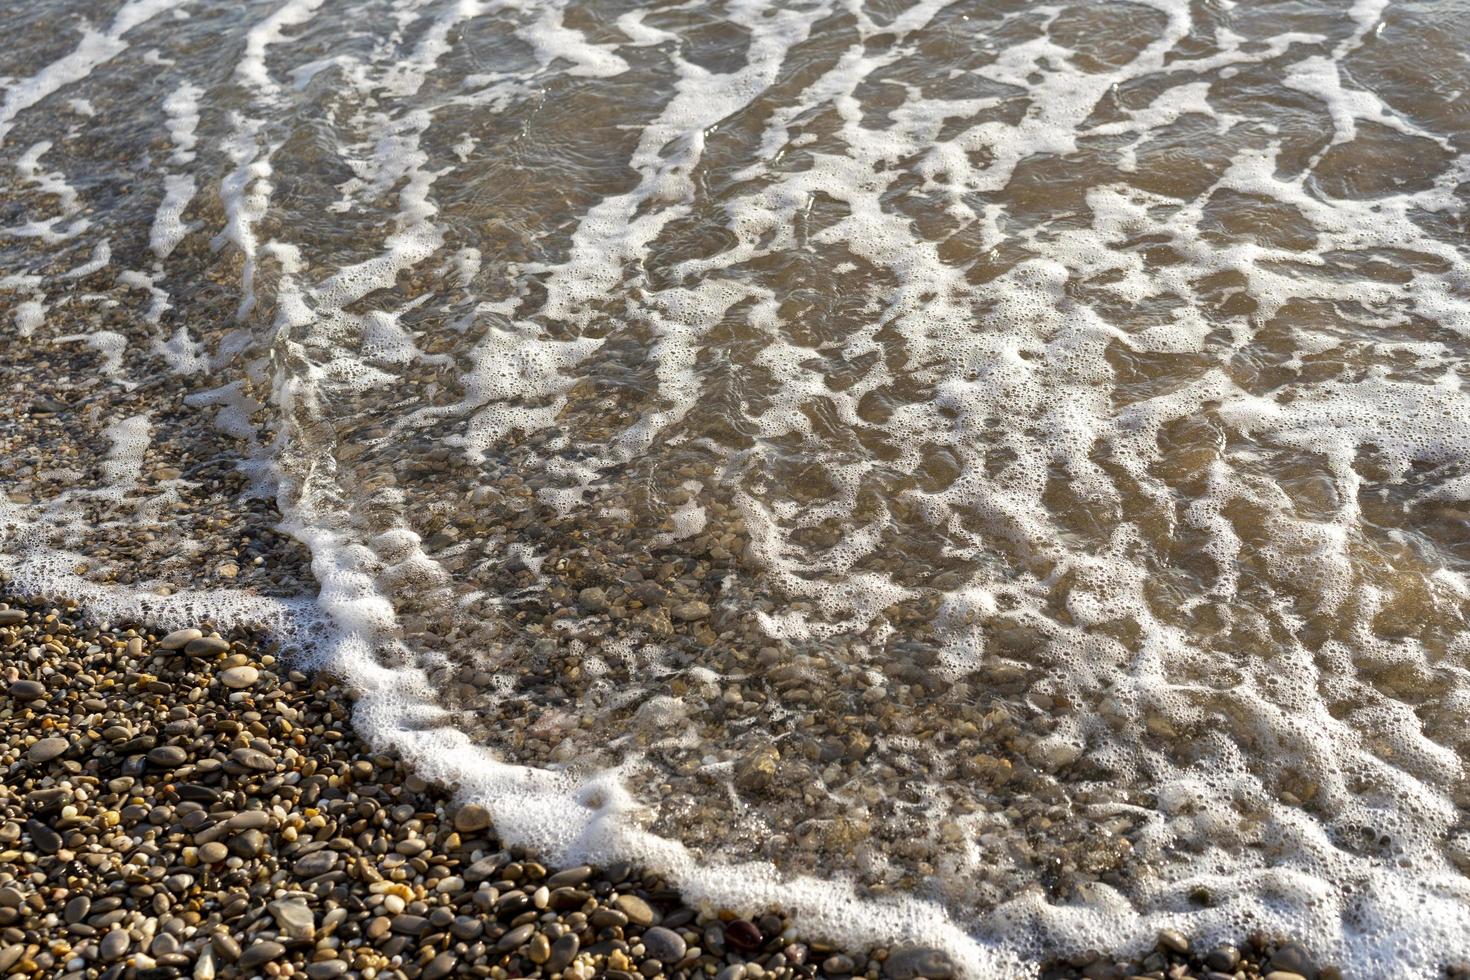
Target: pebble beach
[{"x": 187, "y": 805}]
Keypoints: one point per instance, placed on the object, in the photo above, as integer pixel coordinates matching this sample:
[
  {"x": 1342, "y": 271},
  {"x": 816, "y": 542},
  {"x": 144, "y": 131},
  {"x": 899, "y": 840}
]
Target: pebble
[
  {"x": 1173, "y": 941},
  {"x": 691, "y": 611},
  {"x": 440, "y": 966},
  {"x": 213, "y": 853},
  {"x": 515, "y": 939},
  {"x": 837, "y": 963},
  {"x": 10, "y": 617},
  {"x": 206, "y": 646},
  {"x": 114, "y": 945},
  {"x": 238, "y": 678},
  {"x": 563, "y": 951},
  {"x": 471, "y": 818},
  {"x": 261, "y": 953},
  {"x": 294, "y": 919},
  {"x": 664, "y": 945},
  {"x": 570, "y": 877},
  {"x": 639, "y": 912},
  {"x": 47, "y": 749},
  {"x": 178, "y": 638},
  {"x": 915, "y": 962},
  {"x": 27, "y": 690},
  {"x": 168, "y": 756},
  {"x": 327, "y": 969},
  {"x": 1291, "y": 958},
  {"x": 1223, "y": 959},
  {"x": 315, "y": 863}
]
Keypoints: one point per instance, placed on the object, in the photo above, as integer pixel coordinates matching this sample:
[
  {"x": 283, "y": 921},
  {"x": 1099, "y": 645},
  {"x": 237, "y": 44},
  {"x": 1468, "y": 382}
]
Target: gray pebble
[
  {"x": 563, "y": 951},
  {"x": 168, "y": 757},
  {"x": 515, "y": 939},
  {"x": 27, "y": 690},
  {"x": 664, "y": 945},
  {"x": 114, "y": 945},
  {"x": 261, "y": 953},
  {"x": 206, "y": 646},
  {"x": 917, "y": 961},
  {"x": 179, "y": 638},
  {"x": 47, "y": 749}
]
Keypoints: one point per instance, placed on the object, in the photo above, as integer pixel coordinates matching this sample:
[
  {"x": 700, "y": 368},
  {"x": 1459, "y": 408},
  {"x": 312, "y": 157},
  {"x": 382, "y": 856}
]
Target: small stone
[
  {"x": 206, "y": 646},
  {"x": 664, "y": 945},
  {"x": 1284, "y": 975},
  {"x": 316, "y": 863},
  {"x": 179, "y": 638},
  {"x": 1223, "y": 959},
  {"x": 1173, "y": 941},
  {"x": 471, "y": 818},
  {"x": 168, "y": 757},
  {"x": 238, "y": 678},
  {"x": 837, "y": 964},
  {"x": 114, "y": 945},
  {"x": 515, "y": 939},
  {"x": 639, "y": 912},
  {"x": 253, "y": 759},
  {"x": 539, "y": 949},
  {"x": 261, "y": 953},
  {"x": 76, "y": 910},
  {"x": 410, "y": 925},
  {"x": 213, "y": 853},
  {"x": 691, "y": 611},
  {"x": 293, "y": 919},
  {"x": 249, "y": 820},
  {"x": 744, "y": 935},
  {"x": 27, "y": 690},
  {"x": 440, "y": 966},
  {"x": 735, "y": 971},
  {"x": 594, "y": 600},
  {"x": 10, "y": 617},
  {"x": 563, "y": 951},
  {"x": 327, "y": 969},
  {"x": 1291, "y": 958},
  {"x": 248, "y": 844},
  {"x": 915, "y": 962},
  {"x": 47, "y": 749},
  {"x": 569, "y": 877},
  {"x": 225, "y": 945}
]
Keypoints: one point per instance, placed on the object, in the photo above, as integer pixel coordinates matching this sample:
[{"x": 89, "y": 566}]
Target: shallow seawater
[{"x": 1007, "y": 462}]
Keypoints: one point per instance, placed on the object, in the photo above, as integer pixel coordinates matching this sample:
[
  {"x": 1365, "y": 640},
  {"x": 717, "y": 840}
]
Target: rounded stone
[
  {"x": 563, "y": 951},
  {"x": 239, "y": 678},
  {"x": 916, "y": 962},
  {"x": 471, "y": 818},
  {"x": 213, "y": 853},
  {"x": 206, "y": 646},
  {"x": 260, "y": 954},
  {"x": 27, "y": 690},
  {"x": 179, "y": 638},
  {"x": 664, "y": 945},
  {"x": 47, "y": 749},
  {"x": 639, "y": 912},
  {"x": 168, "y": 756},
  {"x": 114, "y": 945}
]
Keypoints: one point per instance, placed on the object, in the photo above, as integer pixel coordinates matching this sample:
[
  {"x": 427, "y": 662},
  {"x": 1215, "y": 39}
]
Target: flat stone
[
  {"x": 27, "y": 690},
  {"x": 249, "y": 820},
  {"x": 915, "y": 962},
  {"x": 563, "y": 951},
  {"x": 261, "y": 953},
  {"x": 179, "y": 638},
  {"x": 213, "y": 853},
  {"x": 206, "y": 646},
  {"x": 239, "y": 678},
  {"x": 516, "y": 938},
  {"x": 639, "y": 912},
  {"x": 114, "y": 945},
  {"x": 1173, "y": 941},
  {"x": 294, "y": 919},
  {"x": 10, "y": 617},
  {"x": 253, "y": 759},
  {"x": 471, "y": 818},
  {"x": 168, "y": 757},
  {"x": 690, "y": 611},
  {"x": 664, "y": 945},
  {"x": 440, "y": 966},
  {"x": 409, "y": 925},
  {"x": 248, "y": 843},
  {"x": 569, "y": 877},
  {"x": 327, "y": 969},
  {"x": 47, "y": 749},
  {"x": 1291, "y": 958},
  {"x": 316, "y": 863}
]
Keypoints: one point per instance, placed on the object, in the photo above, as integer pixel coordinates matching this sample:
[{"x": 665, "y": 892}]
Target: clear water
[{"x": 994, "y": 474}]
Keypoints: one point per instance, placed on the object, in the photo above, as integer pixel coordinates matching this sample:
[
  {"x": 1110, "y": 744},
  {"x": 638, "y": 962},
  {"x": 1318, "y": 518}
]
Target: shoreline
[{"x": 187, "y": 806}]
